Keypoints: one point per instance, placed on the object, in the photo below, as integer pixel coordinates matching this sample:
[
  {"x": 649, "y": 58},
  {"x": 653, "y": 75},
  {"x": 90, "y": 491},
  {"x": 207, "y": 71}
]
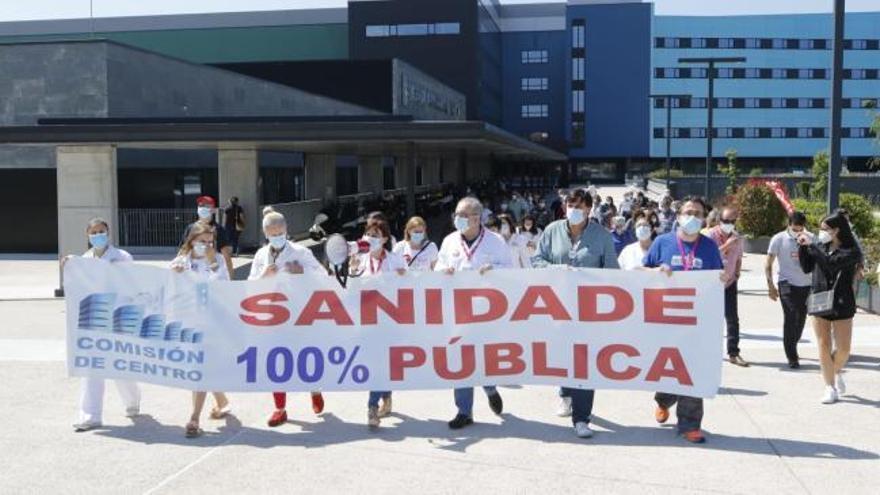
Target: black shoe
[
  {"x": 496, "y": 404},
  {"x": 794, "y": 365},
  {"x": 460, "y": 421}
]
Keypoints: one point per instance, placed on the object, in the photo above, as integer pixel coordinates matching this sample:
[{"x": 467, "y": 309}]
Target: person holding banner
[
  {"x": 199, "y": 256},
  {"x": 91, "y": 402},
  {"x": 471, "y": 247},
  {"x": 380, "y": 259},
  {"x": 419, "y": 252},
  {"x": 685, "y": 249},
  {"x": 578, "y": 243},
  {"x": 282, "y": 256},
  {"x": 833, "y": 258}
]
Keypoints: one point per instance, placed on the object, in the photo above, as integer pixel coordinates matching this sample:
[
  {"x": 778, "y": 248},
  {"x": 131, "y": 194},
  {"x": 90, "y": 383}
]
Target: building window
[
  {"x": 577, "y": 69},
  {"x": 577, "y": 34},
  {"x": 427, "y": 29},
  {"x": 534, "y": 111},
  {"x": 577, "y": 101},
  {"x": 577, "y": 133},
  {"x": 534, "y": 83},
  {"x": 534, "y": 56}
]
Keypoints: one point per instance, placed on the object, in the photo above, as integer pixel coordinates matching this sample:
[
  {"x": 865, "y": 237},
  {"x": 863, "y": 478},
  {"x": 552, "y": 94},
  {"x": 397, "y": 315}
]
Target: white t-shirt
[
  {"x": 266, "y": 256},
  {"x": 631, "y": 256},
  {"x": 487, "y": 249},
  {"x": 111, "y": 255},
  {"x": 367, "y": 266},
  {"x": 786, "y": 248},
  {"x": 201, "y": 267},
  {"x": 420, "y": 259},
  {"x": 519, "y": 251}
]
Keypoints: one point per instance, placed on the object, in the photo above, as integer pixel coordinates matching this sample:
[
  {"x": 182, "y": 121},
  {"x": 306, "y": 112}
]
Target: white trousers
[{"x": 91, "y": 402}]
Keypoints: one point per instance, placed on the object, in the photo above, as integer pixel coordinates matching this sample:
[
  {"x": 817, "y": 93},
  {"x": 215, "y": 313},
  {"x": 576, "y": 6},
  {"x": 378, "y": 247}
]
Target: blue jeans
[
  {"x": 464, "y": 399},
  {"x": 375, "y": 396},
  {"x": 581, "y": 403}
]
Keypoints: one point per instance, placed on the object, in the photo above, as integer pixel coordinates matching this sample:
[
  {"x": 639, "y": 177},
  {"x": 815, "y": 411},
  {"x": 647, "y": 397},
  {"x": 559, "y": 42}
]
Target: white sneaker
[
  {"x": 830, "y": 396},
  {"x": 564, "y": 408},
  {"x": 131, "y": 412},
  {"x": 86, "y": 426},
  {"x": 841, "y": 385},
  {"x": 582, "y": 430}
]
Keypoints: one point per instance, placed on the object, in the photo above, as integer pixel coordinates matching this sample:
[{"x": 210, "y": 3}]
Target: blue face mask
[
  {"x": 99, "y": 241},
  {"x": 690, "y": 224},
  {"x": 204, "y": 212},
  {"x": 462, "y": 223},
  {"x": 278, "y": 241},
  {"x": 417, "y": 237}
]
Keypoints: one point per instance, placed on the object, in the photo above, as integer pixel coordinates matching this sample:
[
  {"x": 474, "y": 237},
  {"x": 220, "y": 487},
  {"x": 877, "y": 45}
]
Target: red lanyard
[
  {"x": 470, "y": 252},
  {"x": 374, "y": 269},
  {"x": 687, "y": 260}
]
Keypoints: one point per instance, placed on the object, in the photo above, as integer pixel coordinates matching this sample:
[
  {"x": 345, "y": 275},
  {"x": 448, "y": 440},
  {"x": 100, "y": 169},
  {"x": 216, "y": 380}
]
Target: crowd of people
[{"x": 492, "y": 228}]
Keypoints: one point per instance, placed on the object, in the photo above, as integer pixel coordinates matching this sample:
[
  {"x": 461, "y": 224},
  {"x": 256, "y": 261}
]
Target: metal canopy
[{"x": 320, "y": 135}]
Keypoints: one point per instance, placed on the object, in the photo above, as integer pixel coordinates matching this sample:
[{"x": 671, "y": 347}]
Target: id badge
[
  {"x": 698, "y": 264},
  {"x": 676, "y": 261}
]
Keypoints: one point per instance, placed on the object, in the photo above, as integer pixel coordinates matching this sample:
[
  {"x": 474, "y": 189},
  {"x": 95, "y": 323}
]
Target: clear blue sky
[{"x": 13, "y": 10}]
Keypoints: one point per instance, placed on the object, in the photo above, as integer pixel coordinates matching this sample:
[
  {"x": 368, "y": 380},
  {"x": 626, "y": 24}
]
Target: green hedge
[
  {"x": 860, "y": 213},
  {"x": 760, "y": 212}
]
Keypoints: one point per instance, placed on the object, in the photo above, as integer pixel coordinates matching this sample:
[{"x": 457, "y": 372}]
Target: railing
[
  {"x": 154, "y": 227},
  {"x": 300, "y": 215}
]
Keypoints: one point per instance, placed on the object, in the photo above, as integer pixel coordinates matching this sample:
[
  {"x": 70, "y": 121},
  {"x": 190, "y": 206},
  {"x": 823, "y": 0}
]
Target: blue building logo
[{"x": 97, "y": 313}]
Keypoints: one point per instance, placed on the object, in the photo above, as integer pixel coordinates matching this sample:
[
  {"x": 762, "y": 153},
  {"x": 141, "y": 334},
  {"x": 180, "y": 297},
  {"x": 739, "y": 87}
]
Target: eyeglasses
[{"x": 729, "y": 221}]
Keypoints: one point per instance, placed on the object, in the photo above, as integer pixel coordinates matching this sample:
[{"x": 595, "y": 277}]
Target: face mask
[
  {"x": 690, "y": 224},
  {"x": 200, "y": 249},
  {"x": 99, "y": 241},
  {"x": 793, "y": 233},
  {"x": 643, "y": 232},
  {"x": 527, "y": 227},
  {"x": 278, "y": 241},
  {"x": 824, "y": 237},
  {"x": 503, "y": 206},
  {"x": 575, "y": 216},
  {"x": 727, "y": 228},
  {"x": 542, "y": 205},
  {"x": 505, "y": 230},
  {"x": 375, "y": 243},
  {"x": 417, "y": 237},
  {"x": 462, "y": 223},
  {"x": 204, "y": 212}
]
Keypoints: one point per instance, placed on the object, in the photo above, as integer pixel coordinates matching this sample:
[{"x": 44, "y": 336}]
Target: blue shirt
[
  {"x": 622, "y": 240},
  {"x": 665, "y": 251}
]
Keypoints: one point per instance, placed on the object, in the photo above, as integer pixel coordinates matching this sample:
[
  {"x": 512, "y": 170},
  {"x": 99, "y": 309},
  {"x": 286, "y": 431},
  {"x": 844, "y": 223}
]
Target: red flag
[{"x": 779, "y": 190}]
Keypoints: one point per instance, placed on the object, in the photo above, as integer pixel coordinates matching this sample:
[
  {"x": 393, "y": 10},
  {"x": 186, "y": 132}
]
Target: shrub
[
  {"x": 756, "y": 172},
  {"x": 802, "y": 189},
  {"x": 660, "y": 173},
  {"x": 859, "y": 209},
  {"x": 819, "y": 189},
  {"x": 760, "y": 212},
  {"x": 814, "y": 210}
]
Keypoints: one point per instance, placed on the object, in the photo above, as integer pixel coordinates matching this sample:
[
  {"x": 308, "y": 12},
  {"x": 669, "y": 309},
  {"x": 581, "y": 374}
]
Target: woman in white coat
[
  {"x": 419, "y": 253},
  {"x": 199, "y": 255},
  {"x": 282, "y": 256},
  {"x": 91, "y": 403}
]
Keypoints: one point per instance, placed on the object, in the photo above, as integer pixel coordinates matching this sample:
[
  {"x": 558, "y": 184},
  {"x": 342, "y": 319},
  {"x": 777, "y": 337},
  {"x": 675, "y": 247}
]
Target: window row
[
  {"x": 534, "y": 83},
  {"x": 700, "y": 102},
  {"x": 758, "y": 73},
  {"x": 577, "y": 101},
  {"x": 577, "y": 69},
  {"x": 760, "y": 132},
  {"x": 577, "y": 33},
  {"x": 534, "y": 111},
  {"x": 534, "y": 56},
  {"x": 427, "y": 29},
  {"x": 765, "y": 43}
]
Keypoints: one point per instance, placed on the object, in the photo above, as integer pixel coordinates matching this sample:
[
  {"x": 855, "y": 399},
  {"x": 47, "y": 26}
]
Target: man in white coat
[{"x": 472, "y": 247}]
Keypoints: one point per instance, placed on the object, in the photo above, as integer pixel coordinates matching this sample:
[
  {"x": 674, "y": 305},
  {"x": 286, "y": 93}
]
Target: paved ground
[{"x": 767, "y": 431}]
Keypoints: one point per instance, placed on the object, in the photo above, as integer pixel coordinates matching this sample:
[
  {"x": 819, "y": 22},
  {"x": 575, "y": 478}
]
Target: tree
[
  {"x": 820, "y": 176},
  {"x": 731, "y": 171}
]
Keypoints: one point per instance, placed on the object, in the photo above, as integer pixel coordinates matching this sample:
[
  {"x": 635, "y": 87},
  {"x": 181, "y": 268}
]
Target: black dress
[{"x": 826, "y": 266}]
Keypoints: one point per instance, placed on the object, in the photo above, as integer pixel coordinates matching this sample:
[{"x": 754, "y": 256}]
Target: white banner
[{"x": 601, "y": 329}]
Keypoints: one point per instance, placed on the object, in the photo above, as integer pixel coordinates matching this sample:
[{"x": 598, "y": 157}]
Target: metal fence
[{"x": 154, "y": 227}]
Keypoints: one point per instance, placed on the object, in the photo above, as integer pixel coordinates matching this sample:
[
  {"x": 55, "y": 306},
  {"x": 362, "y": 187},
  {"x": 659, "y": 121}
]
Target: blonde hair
[
  {"x": 413, "y": 223},
  {"x": 272, "y": 218},
  {"x": 196, "y": 230}
]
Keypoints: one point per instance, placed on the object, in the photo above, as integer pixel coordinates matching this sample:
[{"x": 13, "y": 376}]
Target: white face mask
[
  {"x": 375, "y": 243},
  {"x": 278, "y": 241},
  {"x": 200, "y": 249},
  {"x": 643, "y": 232},
  {"x": 727, "y": 228},
  {"x": 204, "y": 212},
  {"x": 417, "y": 237},
  {"x": 690, "y": 224},
  {"x": 575, "y": 216},
  {"x": 824, "y": 237},
  {"x": 461, "y": 223}
]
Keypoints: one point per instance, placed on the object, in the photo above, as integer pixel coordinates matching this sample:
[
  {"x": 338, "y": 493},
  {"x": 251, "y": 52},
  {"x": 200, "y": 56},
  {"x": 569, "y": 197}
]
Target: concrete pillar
[
  {"x": 405, "y": 176},
  {"x": 370, "y": 174},
  {"x": 238, "y": 174},
  {"x": 87, "y": 188},
  {"x": 320, "y": 176}
]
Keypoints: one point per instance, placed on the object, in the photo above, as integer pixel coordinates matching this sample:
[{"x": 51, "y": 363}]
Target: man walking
[{"x": 730, "y": 245}]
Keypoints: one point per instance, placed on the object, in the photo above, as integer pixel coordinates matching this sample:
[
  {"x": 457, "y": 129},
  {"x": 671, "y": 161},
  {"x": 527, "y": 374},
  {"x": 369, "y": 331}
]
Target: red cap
[{"x": 206, "y": 200}]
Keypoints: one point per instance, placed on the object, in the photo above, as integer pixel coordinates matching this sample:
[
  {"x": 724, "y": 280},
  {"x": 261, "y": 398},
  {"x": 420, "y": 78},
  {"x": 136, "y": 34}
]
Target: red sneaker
[
  {"x": 694, "y": 436},
  {"x": 317, "y": 403},
  {"x": 661, "y": 414},
  {"x": 278, "y": 418}
]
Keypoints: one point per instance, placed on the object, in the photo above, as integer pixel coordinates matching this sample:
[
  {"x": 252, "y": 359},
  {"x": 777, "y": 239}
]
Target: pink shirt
[{"x": 734, "y": 252}]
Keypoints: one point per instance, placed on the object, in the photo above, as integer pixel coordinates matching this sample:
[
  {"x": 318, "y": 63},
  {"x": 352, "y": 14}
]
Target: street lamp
[
  {"x": 667, "y": 98},
  {"x": 834, "y": 164},
  {"x": 710, "y": 74}
]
